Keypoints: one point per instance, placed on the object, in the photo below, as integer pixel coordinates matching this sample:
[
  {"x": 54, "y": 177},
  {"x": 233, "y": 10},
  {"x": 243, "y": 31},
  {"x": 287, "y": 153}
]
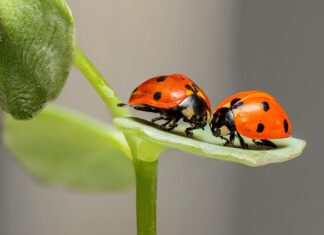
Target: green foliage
[
  {"x": 64, "y": 148},
  {"x": 37, "y": 49},
  {"x": 206, "y": 145},
  {"x": 37, "y": 40}
]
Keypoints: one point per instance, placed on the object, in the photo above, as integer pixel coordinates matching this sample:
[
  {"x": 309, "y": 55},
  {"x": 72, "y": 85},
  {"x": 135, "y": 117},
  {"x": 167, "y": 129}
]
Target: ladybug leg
[
  {"x": 121, "y": 105},
  {"x": 257, "y": 142},
  {"x": 189, "y": 131},
  {"x": 227, "y": 141},
  {"x": 172, "y": 126},
  {"x": 164, "y": 125},
  {"x": 174, "y": 123},
  {"x": 266, "y": 143},
  {"x": 194, "y": 125},
  {"x": 157, "y": 119},
  {"x": 171, "y": 122},
  {"x": 242, "y": 143},
  {"x": 269, "y": 143},
  {"x": 232, "y": 138}
]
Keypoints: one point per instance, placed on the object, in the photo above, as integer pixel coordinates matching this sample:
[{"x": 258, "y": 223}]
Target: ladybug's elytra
[
  {"x": 253, "y": 114},
  {"x": 173, "y": 97}
]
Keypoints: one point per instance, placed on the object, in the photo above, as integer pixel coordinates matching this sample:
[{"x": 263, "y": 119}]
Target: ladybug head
[
  {"x": 222, "y": 122},
  {"x": 194, "y": 108}
]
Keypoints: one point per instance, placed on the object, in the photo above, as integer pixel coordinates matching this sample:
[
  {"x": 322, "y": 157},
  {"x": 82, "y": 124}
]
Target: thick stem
[
  {"x": 99, "y": 84},
  {"x": 146, "y": 193}
]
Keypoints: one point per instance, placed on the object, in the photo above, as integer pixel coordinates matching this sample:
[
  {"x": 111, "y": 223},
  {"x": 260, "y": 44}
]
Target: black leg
[
  {"x": 232, "y": 138},
  {"x": 269, "y": 143},
  {"x": 171, "y": 123},
  {"x": 164, "y": 125},
  {"x": 266, "y": 143},
  {"x": 157, "y": 118},
  {"x": 230, "y": 142},
  {"x": 168, "y": 127},
  {"x": 242, "y": 143},
  {"x": 172, "y": 126},
  {"x": 194, "y": 125},
  {"x": 227, "y": 141},
  {"x": 189, "y": 131},
  {"x": 174, "y": 123}
]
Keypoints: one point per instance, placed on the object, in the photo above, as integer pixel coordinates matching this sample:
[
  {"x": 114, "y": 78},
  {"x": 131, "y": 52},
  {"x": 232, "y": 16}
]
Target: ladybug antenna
[
  {"x": 121, "y": 105},
  {"x": 193, "y": 88}
]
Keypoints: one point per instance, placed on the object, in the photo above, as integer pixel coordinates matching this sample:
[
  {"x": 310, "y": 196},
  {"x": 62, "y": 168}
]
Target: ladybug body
[
  {"x": 253, "y": 114},
  {"x": 173, "y": 97}
]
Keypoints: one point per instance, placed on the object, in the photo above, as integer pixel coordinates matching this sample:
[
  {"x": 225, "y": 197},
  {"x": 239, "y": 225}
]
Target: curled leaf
[
  {"x": 65, "y": 148},
  {"x": 36, "y": 53},
  {"x": 206, "y": 145}
]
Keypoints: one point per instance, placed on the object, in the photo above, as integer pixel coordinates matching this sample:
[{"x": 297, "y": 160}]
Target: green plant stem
[
  {"x": 146, "y": 172},
  {"x": 99, "y": 84},
  {"x": 146, "y": 193}
]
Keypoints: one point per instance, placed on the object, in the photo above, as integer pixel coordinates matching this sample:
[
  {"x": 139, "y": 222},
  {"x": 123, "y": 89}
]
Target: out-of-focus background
[{"x": 225, "y": 46}]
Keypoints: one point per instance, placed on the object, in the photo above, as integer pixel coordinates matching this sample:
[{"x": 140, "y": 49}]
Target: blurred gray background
[{"x": 225, "y": 46}]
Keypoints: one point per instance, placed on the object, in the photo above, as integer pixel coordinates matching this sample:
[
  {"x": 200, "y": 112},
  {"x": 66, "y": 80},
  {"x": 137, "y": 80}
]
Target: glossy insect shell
[
  {"x": 165, "y": 92},
  {"x": 257, "y": 115}
]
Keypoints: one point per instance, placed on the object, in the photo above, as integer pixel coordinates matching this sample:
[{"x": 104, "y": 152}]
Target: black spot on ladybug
[
  {"x": 161, "y": 79},
  {"x": 188, "y": 87},
  {"x": 157, "y": 95},
  {"x": 266, "y": 106},
  {"x": 260, "y": 128},
  {"x": 234, "y": 101},
  {"x": 286, "y": 126}
]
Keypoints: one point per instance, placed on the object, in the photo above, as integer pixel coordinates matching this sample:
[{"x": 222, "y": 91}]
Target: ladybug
[
  {"x": 173, "y": 97},
  {"x": 253, "y": 114}
]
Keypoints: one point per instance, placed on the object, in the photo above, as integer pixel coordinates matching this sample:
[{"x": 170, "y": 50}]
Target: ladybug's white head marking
[
  {"x": 224, "y": 130},
  {"x": 188, "y": 112},
  {"x": 208, "y": 117}
]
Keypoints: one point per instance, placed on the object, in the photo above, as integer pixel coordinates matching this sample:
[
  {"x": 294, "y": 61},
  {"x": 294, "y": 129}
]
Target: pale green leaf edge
[
  {"x": 206, "y": 145},
  {"x": 115, "y": 136}
]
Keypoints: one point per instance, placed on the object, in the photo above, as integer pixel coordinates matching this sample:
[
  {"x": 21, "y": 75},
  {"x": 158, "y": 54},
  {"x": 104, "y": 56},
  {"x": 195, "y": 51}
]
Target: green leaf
[
  {"x": 64, "y": 148},
  {"x": 37, "y": 40},
  {"x": 206, "y": 145}
]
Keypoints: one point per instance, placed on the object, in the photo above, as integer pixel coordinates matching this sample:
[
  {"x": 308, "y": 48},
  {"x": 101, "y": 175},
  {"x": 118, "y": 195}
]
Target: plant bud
[{"x": 37, "y": 40}]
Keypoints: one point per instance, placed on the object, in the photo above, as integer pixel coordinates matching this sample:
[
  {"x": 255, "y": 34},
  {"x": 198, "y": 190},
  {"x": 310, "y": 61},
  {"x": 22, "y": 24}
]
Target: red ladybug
[
  {"x": 253, "y": 114},
  {"x": 173, "y": 97}
]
